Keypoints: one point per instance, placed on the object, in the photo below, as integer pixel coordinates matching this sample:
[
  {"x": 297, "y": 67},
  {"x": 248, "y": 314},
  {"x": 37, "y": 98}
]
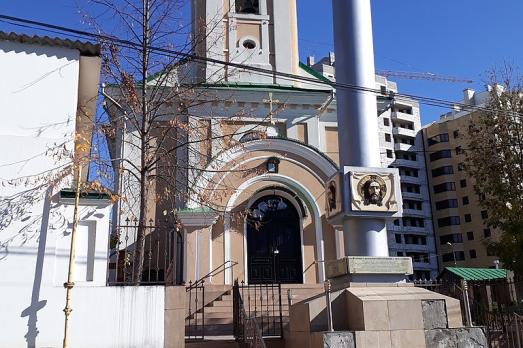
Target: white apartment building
[{"x": 402, "y": 147}]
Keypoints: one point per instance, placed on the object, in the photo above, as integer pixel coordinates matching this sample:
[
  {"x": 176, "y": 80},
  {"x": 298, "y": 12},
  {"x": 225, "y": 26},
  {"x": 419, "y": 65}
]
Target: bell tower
[{"x": 257, "y": 33}]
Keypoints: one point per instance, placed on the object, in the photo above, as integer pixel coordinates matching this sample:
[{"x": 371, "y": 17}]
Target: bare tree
[
  {"x": 495, "y": 160},
  {"x": 150, "y": 98}
]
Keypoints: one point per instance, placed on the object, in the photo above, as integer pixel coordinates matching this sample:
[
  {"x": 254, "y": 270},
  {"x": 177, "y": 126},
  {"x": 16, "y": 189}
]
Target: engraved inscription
[{"x": 383, "y": 265}]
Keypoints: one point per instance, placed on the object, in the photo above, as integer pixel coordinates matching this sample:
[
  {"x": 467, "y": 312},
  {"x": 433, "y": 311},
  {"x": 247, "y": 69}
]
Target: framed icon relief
[{"x": 373, "y": 192}]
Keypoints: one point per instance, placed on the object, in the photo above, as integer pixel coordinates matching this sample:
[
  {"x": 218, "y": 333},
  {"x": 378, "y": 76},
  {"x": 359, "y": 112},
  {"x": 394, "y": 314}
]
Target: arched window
[{"x": 248, "y": 6}]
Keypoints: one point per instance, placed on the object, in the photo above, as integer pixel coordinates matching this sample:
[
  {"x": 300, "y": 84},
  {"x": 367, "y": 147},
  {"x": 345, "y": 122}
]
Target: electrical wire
[{"x": 189, "y": 56}]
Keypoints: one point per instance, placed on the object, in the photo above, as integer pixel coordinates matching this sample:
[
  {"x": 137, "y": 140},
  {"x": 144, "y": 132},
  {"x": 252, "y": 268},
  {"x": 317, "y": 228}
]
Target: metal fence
[
  {"x": 162, "y": 244},
  {"x": 195, "y": 316},
  {"x": 257, "y": 311},
  {"x": 496, "y": 306}
]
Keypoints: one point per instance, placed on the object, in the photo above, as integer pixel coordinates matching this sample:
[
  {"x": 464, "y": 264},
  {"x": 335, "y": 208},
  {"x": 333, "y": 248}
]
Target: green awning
[{"x": 477, "y": 274}]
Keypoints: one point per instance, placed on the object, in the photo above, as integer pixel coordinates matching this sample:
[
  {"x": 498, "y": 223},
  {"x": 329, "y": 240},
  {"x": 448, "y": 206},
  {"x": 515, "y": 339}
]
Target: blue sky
[{"x": 462, "y": 38}]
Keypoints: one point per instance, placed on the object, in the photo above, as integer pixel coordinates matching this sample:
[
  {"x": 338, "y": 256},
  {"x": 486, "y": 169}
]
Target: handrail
[{"x": 212, "y": 273}]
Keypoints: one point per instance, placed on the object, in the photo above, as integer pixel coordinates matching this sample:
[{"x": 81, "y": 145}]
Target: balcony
[
  {"x": 402, "y": 116},
  {"x": 414, "y": 212},
  {"x": 406, "y": 194},
  {"x": 407, "y": 163},
  {"x": 422, "y": 230},
  {"x": 404, "y": 147},
  {"x": 416, "y": 247},
  {"x": 423, "y": 266},
  {"x": 410, "y": 179},
  {"x": 404, "y": 132}
]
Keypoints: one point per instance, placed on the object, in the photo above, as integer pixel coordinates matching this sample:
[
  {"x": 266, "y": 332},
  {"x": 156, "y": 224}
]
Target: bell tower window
[{"x": 248, "y": 6}]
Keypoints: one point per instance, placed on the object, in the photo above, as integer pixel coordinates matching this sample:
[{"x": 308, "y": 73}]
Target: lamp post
[
  {"x": 328, "y": 288},
  {"x": 70, "y": 274},
  {"x": 453, "y": 252}
]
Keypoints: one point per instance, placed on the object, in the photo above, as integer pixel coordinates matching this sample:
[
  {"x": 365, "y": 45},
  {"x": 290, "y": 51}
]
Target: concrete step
[
  {"x": 226, "y": 342},
  {"x": 229, "y": 301},
  {"x": 215, "y": 329},
  {"x": 265, "y": 297},
  {"x": 218, "y": 309},
  {"x": 197, "y": 323},
  {"x": 210, "y": 321},
  {"x": 212, "y": 343},
  {"x": 276, "y": 312}
]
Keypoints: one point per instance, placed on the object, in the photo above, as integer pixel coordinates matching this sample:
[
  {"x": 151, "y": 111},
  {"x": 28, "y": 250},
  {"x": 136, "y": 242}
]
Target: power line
[{"x": 189, "y": 56}]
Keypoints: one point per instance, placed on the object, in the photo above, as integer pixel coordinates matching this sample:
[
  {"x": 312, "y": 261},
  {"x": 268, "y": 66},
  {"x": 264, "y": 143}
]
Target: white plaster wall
[
  {"x": 38, "y": 102},
  {"x": 34, "y": 268},
  {"x": 39, "y": 89},
  {"x": 102, "y": 317}
]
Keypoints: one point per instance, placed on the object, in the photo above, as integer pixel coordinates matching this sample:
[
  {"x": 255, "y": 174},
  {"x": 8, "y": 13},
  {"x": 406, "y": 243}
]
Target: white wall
[
  {"x": 101, "y": 317},
  {"x": 39, "y": 88},
  {"x": 38, "y": 105}
]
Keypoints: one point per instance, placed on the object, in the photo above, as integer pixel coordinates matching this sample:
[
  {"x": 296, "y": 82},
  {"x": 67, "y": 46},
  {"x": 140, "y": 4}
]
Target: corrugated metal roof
[
  {"x": 478, "y": 274},
  {"x": 85, "y": 48}
]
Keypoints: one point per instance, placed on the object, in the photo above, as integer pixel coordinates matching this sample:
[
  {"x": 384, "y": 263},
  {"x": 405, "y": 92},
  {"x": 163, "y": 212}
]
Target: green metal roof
[
  {"x": 260, "y": 87},
  {"x": 477, "y": 274},
  {"x": 71, "y": 193},
  {"x": 315, "y": 73}
]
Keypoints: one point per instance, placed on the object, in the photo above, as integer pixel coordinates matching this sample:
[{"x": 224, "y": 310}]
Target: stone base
[
  {"x": 365, "y": 269},
  {"x": 386, "y": 316},
  {"x": 472, "y": 337}
]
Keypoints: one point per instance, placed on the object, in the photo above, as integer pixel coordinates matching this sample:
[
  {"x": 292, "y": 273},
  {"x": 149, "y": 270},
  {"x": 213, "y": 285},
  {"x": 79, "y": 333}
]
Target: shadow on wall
[
  {"x": 36, "y": 305},
  {"x": 19, "y": 208}
]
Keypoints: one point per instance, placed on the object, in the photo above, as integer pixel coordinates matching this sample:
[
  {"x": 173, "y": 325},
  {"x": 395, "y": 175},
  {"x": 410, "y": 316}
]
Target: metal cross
[{"x": 271, "y": 102}]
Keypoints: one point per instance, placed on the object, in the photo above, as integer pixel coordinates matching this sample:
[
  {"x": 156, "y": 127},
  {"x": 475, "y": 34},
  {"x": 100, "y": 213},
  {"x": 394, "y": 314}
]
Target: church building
[{"x": 261, "y": 148}]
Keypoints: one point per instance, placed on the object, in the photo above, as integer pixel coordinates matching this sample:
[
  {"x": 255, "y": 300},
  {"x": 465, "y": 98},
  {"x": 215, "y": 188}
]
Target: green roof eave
[
  {"x": 260, "y": 87},
  {"x": 71, "y": 193},
  {"x": 477, "y": 274},
  {"x": 314, "y": 73}
]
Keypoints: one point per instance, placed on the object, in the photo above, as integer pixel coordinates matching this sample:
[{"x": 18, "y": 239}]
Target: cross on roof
[{"x": 271, "y": 102}]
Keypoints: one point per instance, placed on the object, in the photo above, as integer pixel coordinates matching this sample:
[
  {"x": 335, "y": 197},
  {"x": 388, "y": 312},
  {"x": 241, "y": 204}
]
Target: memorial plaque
[{"x": 379, "y": 265}]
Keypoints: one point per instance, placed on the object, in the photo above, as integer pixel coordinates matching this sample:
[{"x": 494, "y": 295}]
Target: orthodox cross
[{"x": 271, "y": 102}]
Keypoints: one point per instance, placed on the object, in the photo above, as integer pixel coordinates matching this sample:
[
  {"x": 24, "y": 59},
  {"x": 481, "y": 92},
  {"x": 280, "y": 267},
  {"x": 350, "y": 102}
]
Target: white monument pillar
[{"x": 357, "y": 116}]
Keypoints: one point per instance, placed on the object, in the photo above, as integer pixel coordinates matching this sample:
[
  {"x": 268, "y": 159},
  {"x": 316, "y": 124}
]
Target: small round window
[{"x": 249, "y": 44}]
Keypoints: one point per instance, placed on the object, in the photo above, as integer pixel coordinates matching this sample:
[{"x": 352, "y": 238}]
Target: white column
[{"x": 357, "y": 114}]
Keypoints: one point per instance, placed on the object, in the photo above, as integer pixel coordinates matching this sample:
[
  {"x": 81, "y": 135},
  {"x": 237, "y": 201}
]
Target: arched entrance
[{"x": 274, "y": 250}]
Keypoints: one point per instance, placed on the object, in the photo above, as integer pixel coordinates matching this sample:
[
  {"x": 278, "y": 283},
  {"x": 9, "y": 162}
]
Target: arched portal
[{"x": 273, "y": 231}]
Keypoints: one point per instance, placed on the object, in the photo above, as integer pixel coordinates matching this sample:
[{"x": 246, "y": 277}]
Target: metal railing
[
  {"x": 220, "y": 269},
  {"x": 246, "y": 329},
  {"x": 195, "y": 317},
  {"x": 159, "y": 254},
  {"x": 195, "y": 296},
  {"x": 261, "y": 303},
  {"x": 502, "y": 321}
]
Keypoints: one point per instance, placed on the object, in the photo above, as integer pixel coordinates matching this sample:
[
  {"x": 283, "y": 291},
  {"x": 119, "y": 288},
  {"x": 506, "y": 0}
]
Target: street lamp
[{"x": 453, "y": 252}]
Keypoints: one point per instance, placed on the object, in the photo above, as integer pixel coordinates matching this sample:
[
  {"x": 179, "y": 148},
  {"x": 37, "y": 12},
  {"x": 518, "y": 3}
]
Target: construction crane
[{"x": 420, "y": 76}]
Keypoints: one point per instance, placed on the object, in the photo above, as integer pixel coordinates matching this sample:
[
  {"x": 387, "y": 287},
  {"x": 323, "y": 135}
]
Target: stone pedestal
[
  {"x": 381, "y": 315},
  {"x": 373, "y": 306}
]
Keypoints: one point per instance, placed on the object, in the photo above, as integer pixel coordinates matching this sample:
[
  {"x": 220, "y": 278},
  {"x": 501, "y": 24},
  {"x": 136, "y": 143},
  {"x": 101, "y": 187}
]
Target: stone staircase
[{"x": 218, "y": 317}]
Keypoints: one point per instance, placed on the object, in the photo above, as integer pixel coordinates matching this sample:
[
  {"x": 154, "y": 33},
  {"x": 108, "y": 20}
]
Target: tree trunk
[{"x": 144, "y": 155}]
